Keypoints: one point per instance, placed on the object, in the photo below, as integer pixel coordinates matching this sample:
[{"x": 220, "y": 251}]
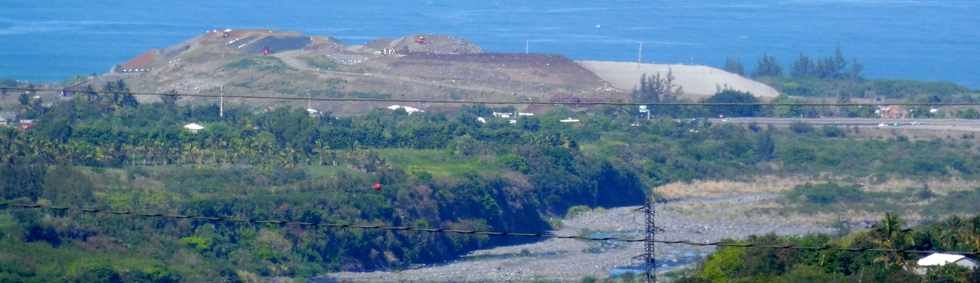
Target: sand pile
[{"x": 698, "y": 81}]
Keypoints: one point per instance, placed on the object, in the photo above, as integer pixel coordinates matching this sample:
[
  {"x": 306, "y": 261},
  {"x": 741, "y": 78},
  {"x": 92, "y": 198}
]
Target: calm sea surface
[{"x": 50, "y": 40}]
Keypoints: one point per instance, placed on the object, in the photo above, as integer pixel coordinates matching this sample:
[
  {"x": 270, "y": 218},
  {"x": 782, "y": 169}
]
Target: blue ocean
[{"x": 51, "y": 40}]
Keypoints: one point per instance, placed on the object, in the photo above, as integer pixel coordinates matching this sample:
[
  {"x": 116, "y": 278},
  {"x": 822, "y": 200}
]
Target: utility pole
[
  {"x": 649, "y": 246},
  {"x": 526, "y": 52},
  {"x": 221, "y": 101},
  {"x": 309, "y": 101},
  {"x": 639, "y": 55}
]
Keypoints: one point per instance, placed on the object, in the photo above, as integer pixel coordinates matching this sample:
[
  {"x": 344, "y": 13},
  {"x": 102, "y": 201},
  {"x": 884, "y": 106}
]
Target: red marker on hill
[{"x": 377, "y": 186}]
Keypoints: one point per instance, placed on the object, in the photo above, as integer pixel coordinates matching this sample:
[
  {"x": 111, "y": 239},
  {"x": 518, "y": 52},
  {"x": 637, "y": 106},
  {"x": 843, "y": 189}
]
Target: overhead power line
[
  {"x": 573, "y": 102},
  {"x": 541, "y": 235}
]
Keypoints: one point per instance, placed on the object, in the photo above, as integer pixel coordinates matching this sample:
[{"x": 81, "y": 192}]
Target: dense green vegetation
[
  {"x": 837, "y": 77},
  {"x": 755, "y": 264},
  {"x": 919, "y": 200},
  {"x": 437, "y": 170}
]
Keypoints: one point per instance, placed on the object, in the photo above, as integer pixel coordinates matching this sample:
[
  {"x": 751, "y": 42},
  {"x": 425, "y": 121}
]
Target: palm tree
[
  {"x": 976, "y": 233},
  {"x": 889, "y": 234}
]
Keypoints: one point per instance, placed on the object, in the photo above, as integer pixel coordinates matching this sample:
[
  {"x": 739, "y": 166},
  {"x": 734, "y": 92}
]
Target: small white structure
[
  {"x": 193, "y": 127},
  {"x": 512, "y": 121},
  {"x": 409, "y": 109},
  {"x": 502, "y": 115},
  {"x": 569, "y": 120},
  {"x": 524, "y": 114},
  {"x": 481, "y": 120},
  {"x": 933, "y": 110},
  {"x": 312, "y": 112},
  {"x": 941, "y": 259}
]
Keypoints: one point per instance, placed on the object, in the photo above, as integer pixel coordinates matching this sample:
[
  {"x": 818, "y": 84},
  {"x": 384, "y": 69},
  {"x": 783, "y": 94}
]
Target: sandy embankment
[{"x": 698, "y": 81}]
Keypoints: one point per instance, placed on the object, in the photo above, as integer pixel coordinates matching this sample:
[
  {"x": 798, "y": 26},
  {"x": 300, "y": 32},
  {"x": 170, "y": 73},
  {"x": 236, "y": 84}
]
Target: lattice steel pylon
[{"x": 649, "y": 245}]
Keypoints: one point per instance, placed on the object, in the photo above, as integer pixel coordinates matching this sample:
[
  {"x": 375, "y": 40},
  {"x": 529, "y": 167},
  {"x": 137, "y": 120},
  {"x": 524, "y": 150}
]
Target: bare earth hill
[{"x": 421, "y": 66}]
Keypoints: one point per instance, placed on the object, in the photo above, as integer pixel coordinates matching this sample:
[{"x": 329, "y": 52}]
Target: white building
[
  {"x": 193, "y": 127},
  {"x": 569, "y": 120},
  {"x": 503, "y": 115},
  {"x": 941, "y": 259},
  {"x": 409, "y": 109},
  {"x": 312, "y": 112}
]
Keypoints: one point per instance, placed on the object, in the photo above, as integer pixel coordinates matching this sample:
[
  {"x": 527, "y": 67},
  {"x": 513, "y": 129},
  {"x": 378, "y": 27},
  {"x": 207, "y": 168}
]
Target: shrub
[
  {"x": 826, "y": 193},
  {"x": 92, "y": 271},
  {"x": 576, "y": 211},
  {"x": 801, "y": 128},
  {"x": 731, "y": 96},
  {"x": 199, "y": 244},
  {"x": 832, "y": 131},
  {"x": 264, "y": 63},
  {"x": 515, "y": 162}
]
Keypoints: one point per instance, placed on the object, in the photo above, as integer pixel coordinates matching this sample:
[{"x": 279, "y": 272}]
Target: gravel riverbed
[{"x": 694, "y": 219}]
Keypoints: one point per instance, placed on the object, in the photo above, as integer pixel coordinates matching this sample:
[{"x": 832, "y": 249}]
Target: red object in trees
[
  {"x": 420, "y": 39},
  {"x": 377, "y": 186}
]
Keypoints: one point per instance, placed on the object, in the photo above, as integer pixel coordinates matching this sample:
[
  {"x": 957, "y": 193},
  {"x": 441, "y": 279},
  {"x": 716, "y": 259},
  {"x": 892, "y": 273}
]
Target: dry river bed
[{"x": 695, "y": 219}]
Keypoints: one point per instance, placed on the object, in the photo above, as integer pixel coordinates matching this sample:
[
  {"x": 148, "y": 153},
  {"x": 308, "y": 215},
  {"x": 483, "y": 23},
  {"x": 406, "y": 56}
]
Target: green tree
[
  {"x": 803, "y": 67},
  {"x": 968, "y": 114},
  {"x": 855, "y": 70},
  {"x": 24, "y": 99},
  {"x": 833, "y": 67},
  {"x": 768, "y": 66},
  {"x": 733, "y": 65},
  {"x": 734, "y": 97},
  {"x": 765, "y": 146},
  {"x": 170, "y": 99},
  {"x": 655, "y": 89},
  {"x": 889, "y": 234}
]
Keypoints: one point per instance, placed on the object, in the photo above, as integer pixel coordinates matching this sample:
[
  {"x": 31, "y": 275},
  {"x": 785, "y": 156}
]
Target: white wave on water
[
  {"x": 576, "y": 10},
  {"x": 886, "y": 3},
  {"x": 10, "y": 26},
  {"x": 18, "y": 29}
]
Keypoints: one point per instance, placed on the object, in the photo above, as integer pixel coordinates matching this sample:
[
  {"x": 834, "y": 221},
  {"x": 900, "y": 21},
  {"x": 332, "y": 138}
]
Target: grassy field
[
  {"x": 263, "y": 63},
  {"x": 438, "y": 163}
]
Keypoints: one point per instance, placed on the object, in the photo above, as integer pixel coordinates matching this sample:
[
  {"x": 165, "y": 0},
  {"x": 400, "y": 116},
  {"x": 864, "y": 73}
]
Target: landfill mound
[{"x": 265, "y": 62}]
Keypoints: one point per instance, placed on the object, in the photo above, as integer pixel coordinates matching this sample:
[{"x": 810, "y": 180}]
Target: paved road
[{"x": 920, "y": 124}]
